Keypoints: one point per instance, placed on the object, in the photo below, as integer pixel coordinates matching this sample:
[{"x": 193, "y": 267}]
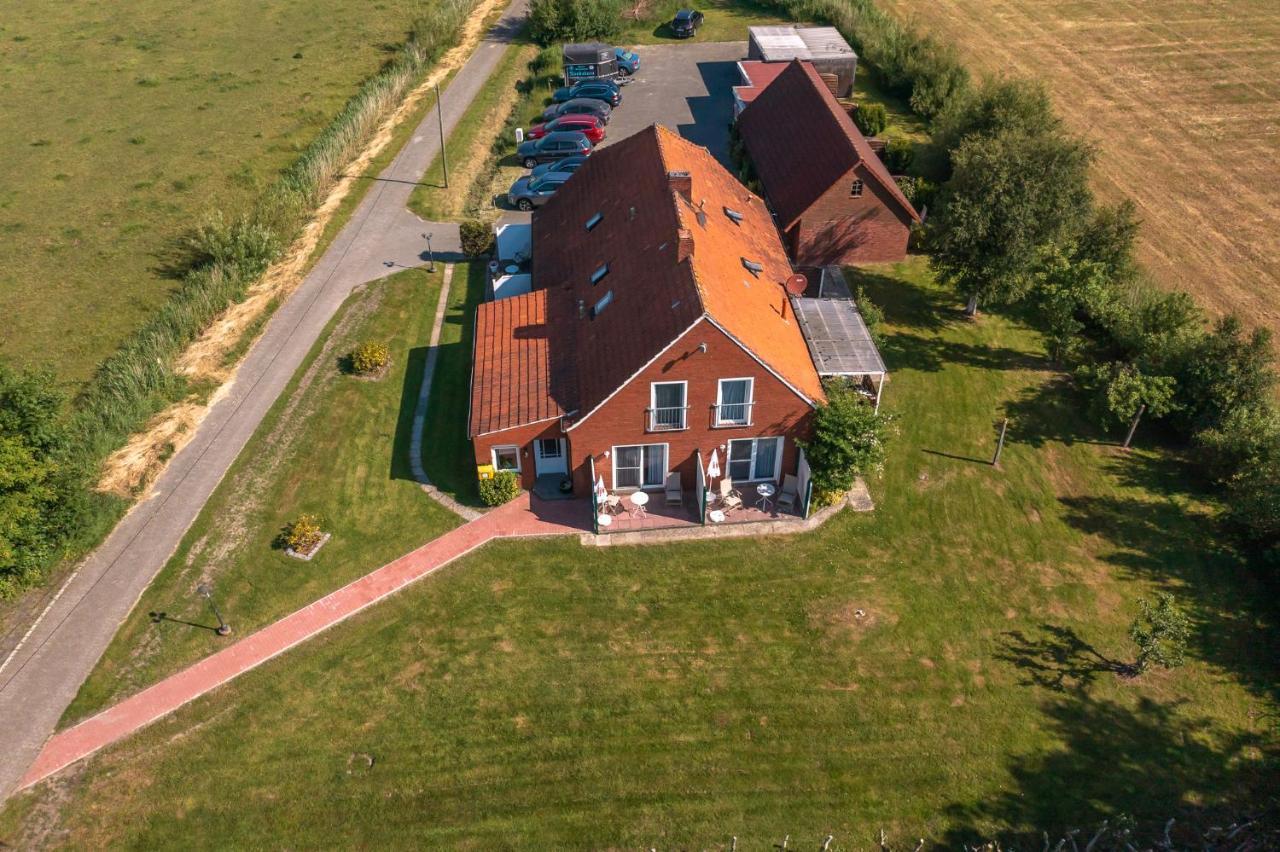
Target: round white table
[
  {"x": 638, "y": 500},
  {"x": 716, "y": 516},
  {"x": 765, "y": 490},
  {"x": 512, "y": 269},
  {"x": 604, "y": 520}
]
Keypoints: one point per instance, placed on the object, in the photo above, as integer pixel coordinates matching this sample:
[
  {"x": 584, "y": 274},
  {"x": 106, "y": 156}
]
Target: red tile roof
[
  {"x": 668, "y": 268},
  {"x": 513, "y": 379},
  {"x": 756, "y": 77},
  {"x": 802, "y": 142}
]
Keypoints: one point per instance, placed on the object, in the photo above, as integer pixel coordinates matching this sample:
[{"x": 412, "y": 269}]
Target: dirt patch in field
[
  {"x": 140, "y": 461},
  {"x": 849, "y": 621}
]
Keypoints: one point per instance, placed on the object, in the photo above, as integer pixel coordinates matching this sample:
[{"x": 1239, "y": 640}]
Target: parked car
[
  {"x": 553, "y": 146},
  {"x": 529, "y": 192},
  {"x": 686, "y": 22},
  {"x": 579, "y": 106},
  {"x": 588, "y": 125},
  {"x": 568, "y": 165},
  {"x": 600, "y": 90},
  {"x": 628, "y": 61}
]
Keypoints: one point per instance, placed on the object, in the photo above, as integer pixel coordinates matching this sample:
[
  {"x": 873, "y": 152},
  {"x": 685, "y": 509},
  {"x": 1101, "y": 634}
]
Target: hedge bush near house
[
  {"x": 871, "y": 119},
  {"x": 501, "y": 488},
  {"x": 370, "y": 357},
  {"x": 477, "y": 238}
]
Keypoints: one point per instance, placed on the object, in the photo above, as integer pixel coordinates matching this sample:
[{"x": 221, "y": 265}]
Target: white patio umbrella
[
  {"x": 601, "y": 493},
  {"x": 713, "y": 468}
]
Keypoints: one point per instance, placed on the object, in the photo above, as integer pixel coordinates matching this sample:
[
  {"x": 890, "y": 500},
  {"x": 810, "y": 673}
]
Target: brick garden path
[{"x": 523, "y": 517}]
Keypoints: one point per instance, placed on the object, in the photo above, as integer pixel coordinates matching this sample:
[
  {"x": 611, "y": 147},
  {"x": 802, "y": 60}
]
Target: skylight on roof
[
  {"x": 594, "y": 220},
  {"x": 753, "y": 267},
  {"x": 736, "y": 216},
  {"x": 601, "y": 304},
  {"x": 600, "y": 273}
]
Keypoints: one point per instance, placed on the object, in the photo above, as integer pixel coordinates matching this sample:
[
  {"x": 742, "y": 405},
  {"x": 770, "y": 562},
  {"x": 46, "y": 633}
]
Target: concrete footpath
[{"x": 45, "y": 671}]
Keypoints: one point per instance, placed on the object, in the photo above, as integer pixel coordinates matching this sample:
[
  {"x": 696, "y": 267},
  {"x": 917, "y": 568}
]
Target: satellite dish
[{"x": 797, "y": 284}]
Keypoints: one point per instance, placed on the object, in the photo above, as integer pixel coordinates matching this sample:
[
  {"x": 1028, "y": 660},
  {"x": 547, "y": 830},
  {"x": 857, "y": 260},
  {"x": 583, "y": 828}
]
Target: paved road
[{"x": 43, "y": 675}]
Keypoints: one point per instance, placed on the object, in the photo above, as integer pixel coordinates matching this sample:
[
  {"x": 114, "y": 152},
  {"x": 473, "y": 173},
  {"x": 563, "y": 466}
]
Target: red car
[{"x": 588, "y": 125}]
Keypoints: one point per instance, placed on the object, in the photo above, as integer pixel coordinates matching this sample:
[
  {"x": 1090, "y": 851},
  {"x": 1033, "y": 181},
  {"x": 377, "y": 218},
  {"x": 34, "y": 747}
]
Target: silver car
[{"x": 529, "y": 191}]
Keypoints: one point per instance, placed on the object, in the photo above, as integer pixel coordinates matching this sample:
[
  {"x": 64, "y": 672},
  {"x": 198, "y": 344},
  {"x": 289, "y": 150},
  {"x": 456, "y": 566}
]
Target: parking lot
[{"x": 688, "y": 88}]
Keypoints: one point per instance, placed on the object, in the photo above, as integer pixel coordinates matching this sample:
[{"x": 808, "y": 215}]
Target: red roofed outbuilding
[{"x": 834, "y": 201}]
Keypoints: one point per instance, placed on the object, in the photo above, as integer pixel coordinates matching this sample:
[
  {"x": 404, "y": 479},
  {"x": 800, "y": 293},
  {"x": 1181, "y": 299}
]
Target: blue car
[
  {"x": 568, "y": 165},
  {"x": 628, "y": 61},
  {"x": 600, "y": 90}
]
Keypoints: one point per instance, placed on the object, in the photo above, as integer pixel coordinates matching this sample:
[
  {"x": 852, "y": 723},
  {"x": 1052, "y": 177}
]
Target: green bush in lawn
[
  {"x": 848, "y": 439},
  {"x": 899, "y": 153},
  {"x": 574, "y": 20},
  {"x": 871, "y": 119},
  {"x": 370, "y": 357},
  {"x": 501, "y": 488},
  {"x": 477, "y": 238},
  {"x": 1161, "y": 633},
  {"x": 304, "y": 534}
]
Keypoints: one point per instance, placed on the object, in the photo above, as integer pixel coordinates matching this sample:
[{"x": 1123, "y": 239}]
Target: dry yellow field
[{"x": 1182, "y": 99}]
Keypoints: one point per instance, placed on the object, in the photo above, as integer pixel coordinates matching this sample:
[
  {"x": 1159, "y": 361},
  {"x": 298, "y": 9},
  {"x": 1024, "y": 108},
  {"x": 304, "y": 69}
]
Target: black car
[
  {"x": 553, "y": 146},
  {"x": 579, "y": 106},
  {"x": 600, "y": 90},
  {"x": 686, "y": 22}
]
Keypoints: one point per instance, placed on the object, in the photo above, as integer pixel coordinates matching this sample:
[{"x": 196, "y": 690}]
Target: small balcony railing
[
  {"x": 670, "y": 419},
  {"x": 732, "y": 413}
]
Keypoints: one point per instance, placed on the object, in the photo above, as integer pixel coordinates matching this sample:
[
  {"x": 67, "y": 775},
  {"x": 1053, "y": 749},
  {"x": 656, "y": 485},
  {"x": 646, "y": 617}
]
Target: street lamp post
[
  {"x": 205, "y": 590},
  {"x": 431, "y": 257}
]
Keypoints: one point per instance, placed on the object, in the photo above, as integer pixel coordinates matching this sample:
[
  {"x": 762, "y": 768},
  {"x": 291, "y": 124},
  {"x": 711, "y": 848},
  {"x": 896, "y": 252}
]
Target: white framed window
[
  {"x": 549, "y": 448},
  {"x": 640, "y": 466},
  {"x": 667, "y": 406},
  {"x": 856, "y": 189},
  {"x": 754, "y": 459},
  {"x": 734, "y": 401},
  {"x": 506, "y": 458}
]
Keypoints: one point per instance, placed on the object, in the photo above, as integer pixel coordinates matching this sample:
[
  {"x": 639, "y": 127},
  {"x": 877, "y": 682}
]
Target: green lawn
[
  {"x": 933, "y": 668},
  {"x": 726, "y": 20},
  {"x": 334, "y": 445},
  {"x": 125, "y": 126}
]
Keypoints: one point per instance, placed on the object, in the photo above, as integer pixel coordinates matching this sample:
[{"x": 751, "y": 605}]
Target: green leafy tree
[
  {"x": 848, "y": 439},
  {"x": 1121, "y": 393},
  {"x": 1000, "y": 105},
  {"x": 1161, "y": 633},
  {"x": 1253, "y": 501},
  {"x": 574, "y": 20},
  {"x": 1011, "y": 199},
  {"x": 476, "y": 237},
  {"x": 1247, "y": 440},
  {"x": 1226, "y": 369},
  {"x": 1109, "y": 239}
]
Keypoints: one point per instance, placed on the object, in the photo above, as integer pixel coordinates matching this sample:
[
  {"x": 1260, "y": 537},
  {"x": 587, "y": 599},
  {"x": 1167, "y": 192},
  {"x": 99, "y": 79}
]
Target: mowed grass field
[
  {"x": 1182, "y": 98},
  {"x": 936, "y": 668},
  {"x": 124, "y": 124}
]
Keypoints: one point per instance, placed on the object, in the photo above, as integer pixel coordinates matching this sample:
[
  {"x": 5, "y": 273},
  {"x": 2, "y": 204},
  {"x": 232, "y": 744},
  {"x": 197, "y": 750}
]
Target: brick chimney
[
  {"x": 684, "y": 248},
  {"x": 681, "y": 182}
]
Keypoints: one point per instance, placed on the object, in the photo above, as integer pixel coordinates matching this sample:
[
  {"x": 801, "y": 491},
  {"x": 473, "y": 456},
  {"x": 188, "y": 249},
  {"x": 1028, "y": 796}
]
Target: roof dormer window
[
  {"x": 594, "y": 220},
  {"x": 601, "y": 272},
  {"x": 601, "y": 304},
  {"x": 733, "y": 215},
  {"x": 753, "y": 267}
]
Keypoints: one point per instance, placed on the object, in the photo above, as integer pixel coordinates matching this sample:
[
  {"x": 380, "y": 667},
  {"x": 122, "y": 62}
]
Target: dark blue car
[
  {"x": 568, "y": 165},
  {"x": 600, "y": 90},
  {"x": 628, "y": 61}
]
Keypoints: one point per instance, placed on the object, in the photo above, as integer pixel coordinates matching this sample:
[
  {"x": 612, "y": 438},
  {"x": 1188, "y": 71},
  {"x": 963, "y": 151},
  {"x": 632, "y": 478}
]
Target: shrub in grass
[
  {"x": 501, "y": 488},
  {"x": 477, "y": 238},
  {"x": 871, "y": 119},
  {"x": 370, "y": 357},
  {"x": 574, "y": 20},
  {"x": 1161, "y": 633},
  {"x": 303, "y": 535}
]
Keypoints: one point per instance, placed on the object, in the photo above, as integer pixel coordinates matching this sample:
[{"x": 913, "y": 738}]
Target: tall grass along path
[{"x": 41, "y": 676}]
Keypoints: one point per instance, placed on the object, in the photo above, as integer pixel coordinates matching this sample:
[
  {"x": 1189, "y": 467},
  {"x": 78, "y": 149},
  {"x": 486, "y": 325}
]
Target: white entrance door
[{"x": 548, "y": 454}]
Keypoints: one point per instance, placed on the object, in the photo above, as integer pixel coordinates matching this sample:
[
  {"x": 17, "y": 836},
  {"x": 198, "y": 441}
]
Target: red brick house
[
  {"x": 835, "y": 202},
  {"x": 658, "y": 328}
]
